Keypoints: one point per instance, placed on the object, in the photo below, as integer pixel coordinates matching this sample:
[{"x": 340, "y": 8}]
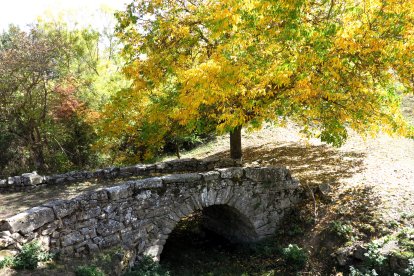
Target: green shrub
[
  {"x": 355, "y": 272},
  {"x": 147, "y": 267},
  {"x": 295, "y": 256},
  {"x": 374, "y": 256},
  {"x": 6, "y": 262},
  {"x": 410, "y": 268},
  {"x": 28, "y": 257},
  {"x": 88, "y": 271},
  {"x": 341, "y": 229}
]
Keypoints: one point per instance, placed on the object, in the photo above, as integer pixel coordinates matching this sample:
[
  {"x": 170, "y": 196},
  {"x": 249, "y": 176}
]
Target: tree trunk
[
  {"x": 177, "y": 150},
  {"x": 235, "y": 143}
]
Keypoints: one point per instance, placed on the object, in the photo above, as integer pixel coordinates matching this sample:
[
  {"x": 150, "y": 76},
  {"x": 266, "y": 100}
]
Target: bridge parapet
[
  {"x": 242, "y": 204},
  {"x": 29, "y": 181}
]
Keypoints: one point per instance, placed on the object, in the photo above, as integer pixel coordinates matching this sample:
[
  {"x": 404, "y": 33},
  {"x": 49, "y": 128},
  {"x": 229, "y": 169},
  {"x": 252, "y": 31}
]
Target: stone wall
[
  {"x": 29, "y": 181},
  {"x": 243, "y": 204}
]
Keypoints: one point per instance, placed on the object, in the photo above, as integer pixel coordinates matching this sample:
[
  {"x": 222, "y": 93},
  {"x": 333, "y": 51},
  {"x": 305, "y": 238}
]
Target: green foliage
[
  {"x": 355, "y": 272},
  {"x": 6, "y": 262},
  {"x": 374, "y": 256},
  {"x": 88, "y": 271},
  {"x": 342, "y": 230},
  {"x": 28, "y": 258},
  {"x": 147, "y": 267},
  {"x": 295, "y": 256},
  {"x": 410, "y": 268}
]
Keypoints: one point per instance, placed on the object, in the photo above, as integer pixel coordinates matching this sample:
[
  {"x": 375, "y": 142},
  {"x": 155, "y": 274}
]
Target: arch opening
[{"x": 205, "y": 235}]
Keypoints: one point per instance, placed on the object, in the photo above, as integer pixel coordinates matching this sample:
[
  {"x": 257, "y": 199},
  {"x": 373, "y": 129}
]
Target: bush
[
  {"x": 355, "y": 272},
  {"x": 410, "y": 268},
  {"x": 89, "y": 271},
  {"x": 28, "y": 257},
  {"x": 6, "y": 262},
  {"x": 374, "y": 256},
  {"x": 295, "y": 256},
  {"x": 147, "y": 267},
  {"x": 342, "y": 230}
]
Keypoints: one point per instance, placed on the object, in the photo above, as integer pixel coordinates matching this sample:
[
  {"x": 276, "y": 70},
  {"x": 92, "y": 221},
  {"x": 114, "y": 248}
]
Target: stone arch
[{"x": 227, "y": 211}]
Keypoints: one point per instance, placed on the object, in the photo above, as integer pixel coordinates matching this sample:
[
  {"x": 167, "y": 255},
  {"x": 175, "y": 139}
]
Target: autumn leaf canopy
[{"x": 327, "y": 65}]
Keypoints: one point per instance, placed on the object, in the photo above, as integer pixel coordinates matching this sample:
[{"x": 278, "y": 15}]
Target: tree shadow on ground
[
  {"x": 13, "y": 203},
  {"x": 310, "y": 164}
]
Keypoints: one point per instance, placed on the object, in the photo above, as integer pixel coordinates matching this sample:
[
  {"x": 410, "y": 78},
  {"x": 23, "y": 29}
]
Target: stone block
[
  {"x": 119, "y": 192},
  {"x": 6, "y": 242},
  {"x": 127, "y": 171},
  {"x": 3, "y": 183},
  {"x": 63, "y": 208},
  {"x": 154, "y": 252},
  {"x": 32, "y": 179},
  {"x": 10, "y": 180},
  {"x": 92, "y": 248},
  {"x": 149, "y": 183},
  {"x": 72, "y": 238},
  {"x": 109, "y": 227},
  {"x": 90, "y": 213},
  {"x": 181, "y": 178},
  {"x": 231, "y": 173},
  {"x": 109, "y": 241},
  {"x": 30, "y": 220},
  {"x": 211, "y": 176}
]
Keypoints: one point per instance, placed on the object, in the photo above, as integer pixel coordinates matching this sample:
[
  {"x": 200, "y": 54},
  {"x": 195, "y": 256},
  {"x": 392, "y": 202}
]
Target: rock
[
  {"x": 3, "y": 183},
  {"x": 231, "y": 173},
  {"x": 119, "y": 192},
  {"x": 110, "y": 241},
  {"x": 127, "y": 171},
  {"x": 324, "y": 188},
  {"x": 154, "y": 252},
  {"x": 5, "y": 234},
  {"x": 90, "y": 213},
  {"x": 181, "y": 178},
  {"x": 7, "y": 254},
  {"x": 10, "y": 181},
  {"x": 211, "y": 176},
  {"x": 161, "y": 167},
  {"x": 6, "y": 242},
  {"x": 149, "y": 183},
  {"x": 72, "y": 238},
  {"x": 63, "y": 208},
  {"x": 32, "y": 179},
  {"x": 398, "y": 264},
  {"x": 343, "y": 255},
  {"x": 360, "y": 251},
  {"x": 389, "y": 247},
  {"x": 30, "y": 220},
  {"x": 108, "y": 228}
]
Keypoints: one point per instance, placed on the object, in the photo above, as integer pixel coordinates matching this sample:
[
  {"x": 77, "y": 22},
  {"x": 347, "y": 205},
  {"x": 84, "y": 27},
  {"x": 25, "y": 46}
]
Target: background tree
[
  {"x": 326, "y": 65},
  {"x": 47, "y": 85}
]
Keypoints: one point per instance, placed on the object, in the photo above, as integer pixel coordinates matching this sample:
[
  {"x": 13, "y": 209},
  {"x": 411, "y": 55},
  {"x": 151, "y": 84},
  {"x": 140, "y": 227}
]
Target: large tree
[{"x": 327, "y": 65}]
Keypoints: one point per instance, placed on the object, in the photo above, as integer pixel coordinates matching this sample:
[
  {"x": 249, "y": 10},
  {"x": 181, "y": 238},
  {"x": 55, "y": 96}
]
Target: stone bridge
[{"x": 242, "y": 204}]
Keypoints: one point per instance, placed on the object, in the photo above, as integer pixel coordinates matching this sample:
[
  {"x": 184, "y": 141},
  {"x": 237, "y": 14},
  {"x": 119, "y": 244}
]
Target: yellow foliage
[{"x": 325, "y": 64}]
